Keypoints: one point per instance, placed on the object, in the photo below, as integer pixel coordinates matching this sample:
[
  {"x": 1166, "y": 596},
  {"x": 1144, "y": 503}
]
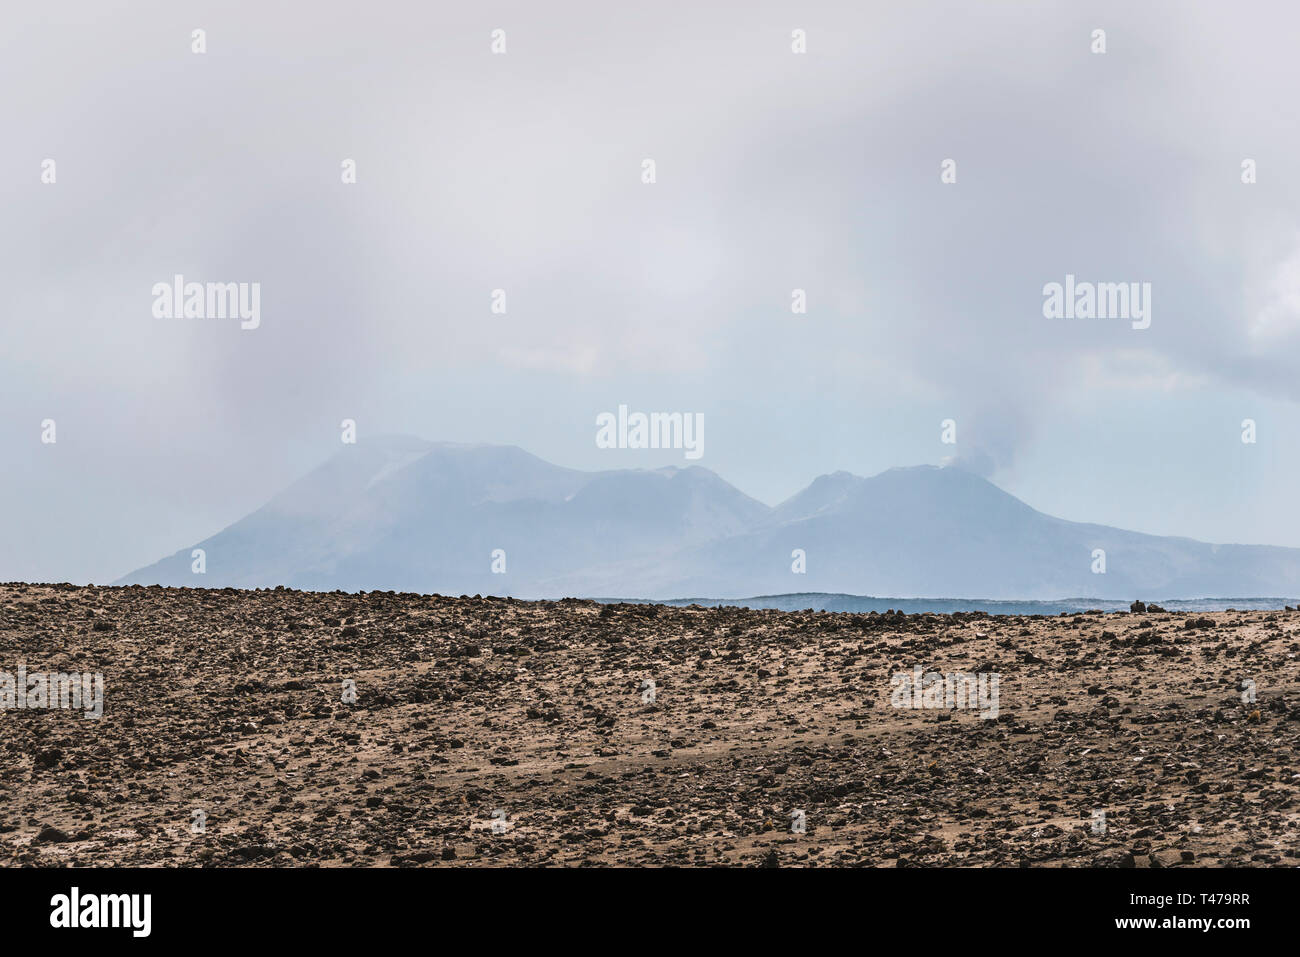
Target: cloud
[{"x": 775, "y": 172}]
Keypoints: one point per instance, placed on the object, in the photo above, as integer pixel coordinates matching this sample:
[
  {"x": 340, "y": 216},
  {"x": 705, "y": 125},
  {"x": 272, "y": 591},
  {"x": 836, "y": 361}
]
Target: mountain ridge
[{"x": 403, "y": 513}]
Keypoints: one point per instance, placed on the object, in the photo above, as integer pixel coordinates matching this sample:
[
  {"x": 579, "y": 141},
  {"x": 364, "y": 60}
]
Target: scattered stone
[{"x": 489, "y": 732}]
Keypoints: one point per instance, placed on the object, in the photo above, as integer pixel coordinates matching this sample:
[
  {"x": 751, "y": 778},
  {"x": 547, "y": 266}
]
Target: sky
[{"x": 523, "y": 171}]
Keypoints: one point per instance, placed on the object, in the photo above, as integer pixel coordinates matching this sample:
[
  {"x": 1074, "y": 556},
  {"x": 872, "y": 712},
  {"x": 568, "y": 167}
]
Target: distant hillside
[{"x": 408, "y": 515}]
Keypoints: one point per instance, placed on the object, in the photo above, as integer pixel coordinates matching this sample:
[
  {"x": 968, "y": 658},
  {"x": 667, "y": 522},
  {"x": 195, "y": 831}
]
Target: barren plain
[{"x": 491, "y": 731}]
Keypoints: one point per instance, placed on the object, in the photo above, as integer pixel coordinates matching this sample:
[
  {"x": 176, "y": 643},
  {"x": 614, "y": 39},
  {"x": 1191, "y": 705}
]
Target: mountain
[
  {"x": 943, "y": 532},
  {"x": 404, "y": 514}
]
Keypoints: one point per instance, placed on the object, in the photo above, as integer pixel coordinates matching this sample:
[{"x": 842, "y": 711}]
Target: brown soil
[{"x": 229, "y": 702}]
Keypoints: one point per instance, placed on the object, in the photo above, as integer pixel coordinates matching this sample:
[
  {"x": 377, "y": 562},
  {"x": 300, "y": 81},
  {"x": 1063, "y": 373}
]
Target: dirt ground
[{"x": 499, "y": 732}]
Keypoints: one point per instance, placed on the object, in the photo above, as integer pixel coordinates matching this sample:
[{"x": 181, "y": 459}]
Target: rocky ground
[{"x": 231, "y": 703}]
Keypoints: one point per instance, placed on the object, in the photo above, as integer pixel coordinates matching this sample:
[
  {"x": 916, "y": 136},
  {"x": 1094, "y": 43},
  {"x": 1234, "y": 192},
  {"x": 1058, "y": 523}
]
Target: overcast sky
[{"x": 523, "y": 172}]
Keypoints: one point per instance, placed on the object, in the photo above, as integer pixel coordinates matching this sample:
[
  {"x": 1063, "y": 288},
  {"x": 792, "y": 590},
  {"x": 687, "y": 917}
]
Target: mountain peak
[{"x": 402, "y": 513}]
